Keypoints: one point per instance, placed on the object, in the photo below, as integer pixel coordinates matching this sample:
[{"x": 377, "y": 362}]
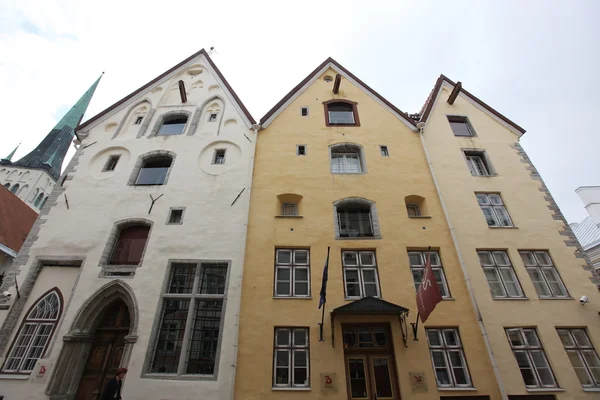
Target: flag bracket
[{"x": 415, "y": 327}]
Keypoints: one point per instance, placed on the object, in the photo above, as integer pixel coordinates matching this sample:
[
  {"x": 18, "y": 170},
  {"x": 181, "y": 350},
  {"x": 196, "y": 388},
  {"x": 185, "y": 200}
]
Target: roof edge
[
  {"x": 438, "y": 84},
  {"x": 296, "y": 88},
  {"x": 161, "y": 76}
]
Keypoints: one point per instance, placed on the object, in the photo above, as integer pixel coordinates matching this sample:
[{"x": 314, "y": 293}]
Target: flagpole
[
  {"x": 321, "y": 325},
  {"x": 323, "y": 297}
]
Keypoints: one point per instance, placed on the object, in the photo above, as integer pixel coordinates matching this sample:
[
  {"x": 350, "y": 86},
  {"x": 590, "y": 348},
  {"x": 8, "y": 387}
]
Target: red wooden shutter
[{"x": 130, "y": 245}]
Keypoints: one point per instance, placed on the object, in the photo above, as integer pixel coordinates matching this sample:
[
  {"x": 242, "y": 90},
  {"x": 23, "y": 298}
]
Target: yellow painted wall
[
  {"x": 388, "y": 180},
  {"x": 535, "y": 229}
]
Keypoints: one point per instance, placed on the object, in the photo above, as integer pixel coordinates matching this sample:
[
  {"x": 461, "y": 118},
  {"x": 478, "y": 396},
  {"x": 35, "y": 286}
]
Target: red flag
[{"x": 429, "y": 293}]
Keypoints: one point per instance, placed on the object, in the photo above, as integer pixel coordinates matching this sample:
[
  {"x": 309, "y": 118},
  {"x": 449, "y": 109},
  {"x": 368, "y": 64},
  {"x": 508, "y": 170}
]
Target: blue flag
[{"x": 323, "y": 293}]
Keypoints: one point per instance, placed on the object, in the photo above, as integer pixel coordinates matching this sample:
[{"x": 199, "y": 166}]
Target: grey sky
[{"x": 536, "y": 62}]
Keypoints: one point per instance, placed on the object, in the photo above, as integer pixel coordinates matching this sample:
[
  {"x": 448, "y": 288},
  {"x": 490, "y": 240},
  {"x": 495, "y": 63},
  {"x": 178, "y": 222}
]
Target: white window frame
[
  {"x": 500, "y": 270},
  {"x": 192, "y": 297},
  {"x": 293, "y": 266},
  {"x": 445, "y": 349},
  {"x": 527, "y": 348},
  {"x": 492, "y": 206},
  {"x": 291, "y": 348},
  {"x": 216, "y": 157},
  {"x": 436, "y": 266},
  {"x": 478, "y": 162},
  {"x": 31, "y": 342},
  {"x": 383, "y": 149},
  {"x": 112, "y": 161},
  {"x": 360, "y": 268},
  {"x": 345, "y": 165},
  {"x": 534, "y": 265},
  {"x": 575, "y": 347}
]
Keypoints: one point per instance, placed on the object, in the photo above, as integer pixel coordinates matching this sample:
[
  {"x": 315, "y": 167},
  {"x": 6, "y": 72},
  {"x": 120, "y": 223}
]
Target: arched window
[
  {"x": 7, "y": 185},
  {"x": 38, "y": 199},
  {"x": 43, "y": 202},
  {"x": 129, "y": 245},
  {"x": 22, "y": 190},
  {"x": 356, "y": 218},
  {"x": 154, "y": 170},
  {"x": 15, "y": 188},
  {"x": 174, "y": 125},
  {"x": 347, "y": 159},
  {"x": 341, "y": 113},
  {"x": 34, "y": 335},
  {"x": 33, "y": 197}
]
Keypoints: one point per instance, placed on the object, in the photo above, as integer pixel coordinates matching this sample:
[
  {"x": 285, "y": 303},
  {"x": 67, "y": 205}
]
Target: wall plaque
[{"x": 417, "y": 381}]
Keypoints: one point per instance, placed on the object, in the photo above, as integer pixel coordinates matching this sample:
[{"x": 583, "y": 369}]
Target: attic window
[
  {"x": 461, "y": 126},
  {"x": 301, "y": 150},
  {"x": 304, "y": 111},
  {"x": 341, "y": 113},
  {"x": 384, "y": 151},
  {"x": 328, "y": 78},
  {"x": 139, "y": 120},
  {"x": 212, "y": 117}
]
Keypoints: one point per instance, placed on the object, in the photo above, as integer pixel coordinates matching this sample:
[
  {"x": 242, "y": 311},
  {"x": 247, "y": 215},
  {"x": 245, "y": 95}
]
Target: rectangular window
[
  {"x": 355, "y": 222},
  {"x": 417, "y": 261},
  {"x": 543, "y": 274},
  {"x": 448, "y": 358},
  {"x": 582, "y": 355},
  {"x": 360, "y": 274},
  {"x": 493, "y": 210},
  {"x": 176, "y": 216},
  {"x": 460, "y": 126},
  {"x": 301, "y": 150},
  {"x": 291, "y": 356},
  {"x": 413, "y": 210},
  {"x": 531, "y": 358},
  {"x": 139, "y": 120},
  {"x": 292, "y": 273},
  {"x": 500, "y": 274},
  {"x": 173, "y": 126},
  {"x": 219, "y": 157},
  {"x": 304, "y": 111},
  {"x": 212, "y": 118},
  {"x": 384, "y": 151},
  {"x": 111, "y": 163},
  {"x": 345, "y": 163},
  {"x": 289, "y": 209},
  {"x": 477, "y": 163},
  {"x": 187, "y": 340}
]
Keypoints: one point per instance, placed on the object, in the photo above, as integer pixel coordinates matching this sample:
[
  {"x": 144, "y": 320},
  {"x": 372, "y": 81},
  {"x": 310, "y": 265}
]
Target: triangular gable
[
  {"x": 167, "y": 74},
  {"x": 370, "y": 305},
  {"x": 444, "y": 81},
  {"x": 331, "y": 63}
]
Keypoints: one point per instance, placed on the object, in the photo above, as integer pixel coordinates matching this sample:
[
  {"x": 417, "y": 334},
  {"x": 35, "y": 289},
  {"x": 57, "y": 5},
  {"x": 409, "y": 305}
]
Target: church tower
[{"x": 33, "y": 177}]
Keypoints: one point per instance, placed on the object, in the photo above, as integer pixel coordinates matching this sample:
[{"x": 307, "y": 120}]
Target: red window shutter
[{"x": 130, "y": 245}]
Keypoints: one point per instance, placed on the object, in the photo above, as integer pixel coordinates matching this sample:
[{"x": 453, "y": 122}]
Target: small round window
[{"x": 328, "y": 78}]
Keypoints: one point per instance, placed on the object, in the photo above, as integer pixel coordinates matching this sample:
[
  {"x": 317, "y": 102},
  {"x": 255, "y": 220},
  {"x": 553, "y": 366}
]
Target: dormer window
[{"x": 341, "y": 113}]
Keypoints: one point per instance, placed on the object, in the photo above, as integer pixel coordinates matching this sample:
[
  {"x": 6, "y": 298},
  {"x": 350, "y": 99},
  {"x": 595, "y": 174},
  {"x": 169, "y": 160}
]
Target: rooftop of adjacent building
[
  {"x": 587, "y": 232},
  {"x": 16, "y": 220}
]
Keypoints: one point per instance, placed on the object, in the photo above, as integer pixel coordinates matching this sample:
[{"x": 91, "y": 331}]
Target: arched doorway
[
  {"x": 100, "y": 340},
  {"x": 107, "y": 351}
]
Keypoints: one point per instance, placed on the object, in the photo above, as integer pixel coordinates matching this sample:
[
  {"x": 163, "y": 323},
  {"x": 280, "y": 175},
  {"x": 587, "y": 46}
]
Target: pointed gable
[
  {"x": 330, "y": 63},
  {"x": 140, "y": 92},
  {"x": 443, "y": 81}
]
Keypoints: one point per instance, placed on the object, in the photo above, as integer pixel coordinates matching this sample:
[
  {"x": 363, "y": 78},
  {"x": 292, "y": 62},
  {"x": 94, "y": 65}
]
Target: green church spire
[
  {"x": 12, "y": 153},
  {"x": 51, "y": 152}
]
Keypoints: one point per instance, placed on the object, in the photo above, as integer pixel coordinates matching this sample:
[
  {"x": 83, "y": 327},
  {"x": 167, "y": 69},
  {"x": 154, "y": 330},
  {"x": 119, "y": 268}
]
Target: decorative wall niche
[
  {"x": 98, "y": 162},
  {"x": 110, "y": 127},
  {"x": 195, "y": 69},
  {"x": 232, "y": 156}
]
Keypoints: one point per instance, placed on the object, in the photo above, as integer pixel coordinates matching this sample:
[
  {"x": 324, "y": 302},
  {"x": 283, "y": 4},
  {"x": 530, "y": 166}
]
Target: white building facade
[{"x": 136, "y": 259}]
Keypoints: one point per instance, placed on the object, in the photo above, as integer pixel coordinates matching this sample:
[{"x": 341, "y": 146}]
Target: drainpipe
[
  {"x": 255, "y": 128},
  {"x": 495, "y": 368}
]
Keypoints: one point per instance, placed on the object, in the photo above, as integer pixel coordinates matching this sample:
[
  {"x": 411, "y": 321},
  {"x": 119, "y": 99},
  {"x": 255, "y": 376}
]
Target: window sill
[
  {"x": 457, "y": 389},
  {"x": 293, "y": 389},
  {"x": 289, "y": 216},
  {"x": 359, "y": 238},
  {"x": 503, "y": 227},
  {"x": 292, "y": 297},
  {"x": 174, "y": 377},
  {"x": 511, "y": 298},
  {"x": 556, "y": 298},
  {"x": 448, "y": 299},
  {"x": 420, "y": 216},
  {"x": 348, "y": 173},
  {"x": 20, "y": 377},
  {"x": 485, "y": 176},
  {"x": 591, "y": 389},
  {"x": 536, "y": 390}
]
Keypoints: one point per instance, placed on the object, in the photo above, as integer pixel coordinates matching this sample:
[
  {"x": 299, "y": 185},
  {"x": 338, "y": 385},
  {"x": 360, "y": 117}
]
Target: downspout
[
  {"x": 256, "y": 128},
  {"x": 495, "y": 368}
]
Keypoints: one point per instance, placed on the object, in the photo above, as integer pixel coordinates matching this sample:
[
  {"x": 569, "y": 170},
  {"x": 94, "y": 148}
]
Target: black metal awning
[{"x": 371, "y": 306}]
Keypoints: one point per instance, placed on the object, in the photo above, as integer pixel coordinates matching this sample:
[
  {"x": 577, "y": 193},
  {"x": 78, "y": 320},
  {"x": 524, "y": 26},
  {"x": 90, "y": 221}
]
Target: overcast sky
[{"x": 537, "y": 62}]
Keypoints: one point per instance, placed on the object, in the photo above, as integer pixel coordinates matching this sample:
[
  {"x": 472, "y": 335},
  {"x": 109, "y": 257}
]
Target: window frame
[
  {"x": 527, "y": 349},
  {"x": 461, "y": 119},
  {"x": 298, "y": 147},
  {"x": 291, "y": 348},
  {"x": 539, "y": 268},
  {"x": 578, "y": 349},
  {"x": 182, "y": 209},
  {"x": 217, "y": 157},
  {"x": 359, "y": 268},
  {"x": 492, "y": 207},
  {"x": 38, "y": 323},
  {"x": 138, "y": 120},
  {"x": 356, "y": 203},
  {"x": 354, "y": 112},
  {"x": 116, "y": 243},
  {"x": 446, "y": 349},
  {"x": 500, "y": 278},
  {"x": 422, "y": 254},
  {"x": 292, "y": 267},
  {"x": 416, "y": 209},
  {"x": 383, "y": 150},
  {"x": 193, "y": 297},
  {"x": 111, "y": 163},
  {"x": 170, "y": 118},
  {"x": 302, "y": 109},
  {"x": 485, "y": 160},
  {"x": 143, "y": 160},
  {"x": 289, "y": 205}
]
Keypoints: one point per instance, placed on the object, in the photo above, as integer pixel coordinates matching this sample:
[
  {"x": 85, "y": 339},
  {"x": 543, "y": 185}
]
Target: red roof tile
[{"x": 16, "y": 220}]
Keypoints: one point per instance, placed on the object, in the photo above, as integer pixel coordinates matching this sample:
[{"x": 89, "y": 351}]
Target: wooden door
[
  {"x": 371, "y": 377},
  {"x": 105, "y": 355}
]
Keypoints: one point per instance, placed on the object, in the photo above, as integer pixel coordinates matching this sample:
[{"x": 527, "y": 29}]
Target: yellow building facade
[
  {"x": 338, "y": 166},
  {"x": 524, "y": 264}
]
